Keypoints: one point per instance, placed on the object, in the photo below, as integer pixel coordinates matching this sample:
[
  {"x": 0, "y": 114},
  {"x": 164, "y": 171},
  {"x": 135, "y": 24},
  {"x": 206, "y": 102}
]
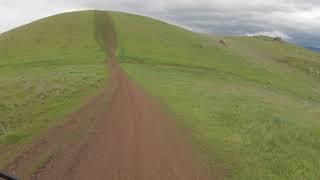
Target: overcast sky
[{"x": 295, "y": 20}]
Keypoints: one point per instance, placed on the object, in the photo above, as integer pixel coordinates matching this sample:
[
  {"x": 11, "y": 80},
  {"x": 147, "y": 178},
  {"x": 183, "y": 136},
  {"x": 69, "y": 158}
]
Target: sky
[{"x": 296, "y": 21}]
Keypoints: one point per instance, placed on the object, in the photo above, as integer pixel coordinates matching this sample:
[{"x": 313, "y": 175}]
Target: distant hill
[{"x": 314, "y": 48}]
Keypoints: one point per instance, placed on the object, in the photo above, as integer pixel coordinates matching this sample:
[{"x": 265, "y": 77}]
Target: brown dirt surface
[{"x": 122, "y": 134}]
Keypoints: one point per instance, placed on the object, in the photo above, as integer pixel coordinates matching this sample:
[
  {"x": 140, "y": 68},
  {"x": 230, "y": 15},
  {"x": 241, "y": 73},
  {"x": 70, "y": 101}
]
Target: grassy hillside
[
  {"x": 252, "y": 105},
  {"x": 268, "y": 51},
  {"x": 47, "y": 69}
]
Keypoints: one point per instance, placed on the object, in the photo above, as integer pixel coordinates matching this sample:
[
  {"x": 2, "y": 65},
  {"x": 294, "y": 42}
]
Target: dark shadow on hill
[{"x": 105, "y": 32}]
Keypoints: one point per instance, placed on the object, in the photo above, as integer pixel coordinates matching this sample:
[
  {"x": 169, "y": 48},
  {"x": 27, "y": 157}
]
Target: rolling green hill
[{"x": 252, "y": 105}]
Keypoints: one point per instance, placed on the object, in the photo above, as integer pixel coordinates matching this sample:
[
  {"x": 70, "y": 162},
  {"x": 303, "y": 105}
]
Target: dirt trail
[{"x": 121, "y": 135}]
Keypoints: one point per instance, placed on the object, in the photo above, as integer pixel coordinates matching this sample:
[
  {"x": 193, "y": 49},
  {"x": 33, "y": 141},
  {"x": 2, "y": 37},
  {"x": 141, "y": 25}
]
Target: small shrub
[{"x": 222, "y": 42}]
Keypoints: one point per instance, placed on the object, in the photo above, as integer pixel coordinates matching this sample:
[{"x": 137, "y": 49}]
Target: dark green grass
[{"x": 250, "y": 115}]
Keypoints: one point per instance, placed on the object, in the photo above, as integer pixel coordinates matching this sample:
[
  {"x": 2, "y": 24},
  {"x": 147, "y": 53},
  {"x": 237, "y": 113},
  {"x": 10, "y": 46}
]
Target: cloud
[
  {"x": 14, "y": 13},
  {"x": 296, "y": 20},
  {"x": 271, "y": 34}
]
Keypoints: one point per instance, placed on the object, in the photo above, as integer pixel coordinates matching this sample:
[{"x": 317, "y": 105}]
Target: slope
[
  {"x": 121, "y": 134},
  {"x": 252, "y": 114},
  {"x": 47, "y": 69},
  {"x": 276, "y": 53}
]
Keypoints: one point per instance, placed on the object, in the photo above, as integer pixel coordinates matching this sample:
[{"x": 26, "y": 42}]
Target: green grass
[
  {"x": 47, "y": 69},
  {"x": 268, "y": 51},
  {"x": 252, "y": 115}
]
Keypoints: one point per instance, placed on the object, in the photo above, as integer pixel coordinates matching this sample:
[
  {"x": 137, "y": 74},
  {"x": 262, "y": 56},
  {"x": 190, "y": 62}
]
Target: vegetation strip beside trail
[{"x": 48, "y": 69}]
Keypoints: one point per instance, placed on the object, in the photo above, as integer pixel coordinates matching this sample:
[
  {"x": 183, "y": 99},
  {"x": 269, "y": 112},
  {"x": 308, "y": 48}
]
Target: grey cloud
[{"x": 297, "y": 19}]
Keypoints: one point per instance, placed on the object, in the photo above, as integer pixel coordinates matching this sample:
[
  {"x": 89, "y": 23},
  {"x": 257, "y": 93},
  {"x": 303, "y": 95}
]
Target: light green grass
[
  {"x": 47, "y": 69},
  {"x": 251, "y": 115},
  {"x": 266, "y": 50}
]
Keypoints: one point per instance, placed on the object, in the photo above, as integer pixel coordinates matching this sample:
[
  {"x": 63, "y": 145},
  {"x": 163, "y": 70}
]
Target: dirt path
[{"x": 121, "y": 135}]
